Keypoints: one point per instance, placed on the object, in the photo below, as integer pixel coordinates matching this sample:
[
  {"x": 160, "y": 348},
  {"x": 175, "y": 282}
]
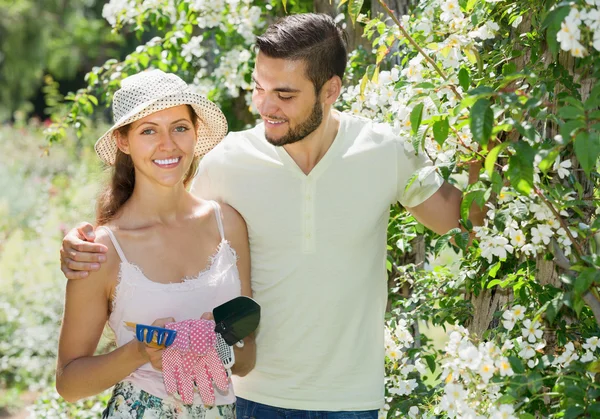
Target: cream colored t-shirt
[{"x": 318, "y": 252}]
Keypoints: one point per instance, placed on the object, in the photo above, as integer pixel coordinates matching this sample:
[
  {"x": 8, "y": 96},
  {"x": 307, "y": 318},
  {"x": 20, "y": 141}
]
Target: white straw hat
[{"x": 151, "y": 91}]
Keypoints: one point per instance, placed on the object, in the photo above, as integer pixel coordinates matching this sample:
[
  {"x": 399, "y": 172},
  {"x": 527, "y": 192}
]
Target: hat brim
[{"x": 212, "y": 124}]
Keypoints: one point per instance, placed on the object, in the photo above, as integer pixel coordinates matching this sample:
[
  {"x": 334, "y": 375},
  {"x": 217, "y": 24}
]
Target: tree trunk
[{"x": 354, "y": 31}]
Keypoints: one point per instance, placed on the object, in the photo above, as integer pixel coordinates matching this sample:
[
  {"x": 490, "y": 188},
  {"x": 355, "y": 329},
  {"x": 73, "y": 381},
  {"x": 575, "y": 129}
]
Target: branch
[
  {"x": 594, "y": 305},
  {"x": 418, "y": 48}
]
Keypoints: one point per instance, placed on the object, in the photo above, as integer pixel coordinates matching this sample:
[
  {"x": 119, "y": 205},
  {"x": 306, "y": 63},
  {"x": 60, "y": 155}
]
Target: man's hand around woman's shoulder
[{"x": 79, "y": 254}]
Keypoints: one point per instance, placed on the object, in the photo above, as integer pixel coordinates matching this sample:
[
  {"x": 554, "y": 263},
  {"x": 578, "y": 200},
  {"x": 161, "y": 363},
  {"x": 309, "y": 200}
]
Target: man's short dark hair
[{"x": 311, "y": 37}]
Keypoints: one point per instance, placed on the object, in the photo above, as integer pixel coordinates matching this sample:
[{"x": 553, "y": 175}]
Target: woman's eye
[
  {"x": 286, "y": 97},
  {"x": 181, "y": 128},
  {"x": 148, "y": 131}
]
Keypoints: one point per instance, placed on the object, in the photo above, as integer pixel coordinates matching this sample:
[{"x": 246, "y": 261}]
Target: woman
[{"x": 171, "y": 257}]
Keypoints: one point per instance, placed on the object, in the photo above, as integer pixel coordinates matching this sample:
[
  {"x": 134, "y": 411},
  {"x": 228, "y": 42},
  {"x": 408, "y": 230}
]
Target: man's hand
[{"x": 79, "y": 254}]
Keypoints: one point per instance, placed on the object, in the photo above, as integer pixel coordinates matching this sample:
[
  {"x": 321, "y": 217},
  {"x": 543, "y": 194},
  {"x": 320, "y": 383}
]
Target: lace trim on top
[{"x": 188, "y": 283}]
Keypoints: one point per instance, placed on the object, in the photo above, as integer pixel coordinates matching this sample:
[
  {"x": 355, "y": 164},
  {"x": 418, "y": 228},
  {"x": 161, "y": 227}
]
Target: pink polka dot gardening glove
[
  {"x": 193, "y": 357},
  {"x": 208, "y": 367},
  {"x": 177, "y": 363}
]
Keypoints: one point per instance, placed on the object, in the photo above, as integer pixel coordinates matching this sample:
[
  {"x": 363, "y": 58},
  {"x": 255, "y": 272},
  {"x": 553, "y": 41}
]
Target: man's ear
[
  {"x": 331, "y": 90},
  {"x": 122, "y": 142}
]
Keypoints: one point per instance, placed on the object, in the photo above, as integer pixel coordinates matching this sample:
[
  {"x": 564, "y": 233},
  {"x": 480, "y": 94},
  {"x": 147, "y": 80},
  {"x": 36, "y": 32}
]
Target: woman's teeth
[{"x": 167, "y": 161}]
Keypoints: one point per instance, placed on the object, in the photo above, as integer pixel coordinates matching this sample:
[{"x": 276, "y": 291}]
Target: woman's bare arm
[{"x": 79, "y": 373}]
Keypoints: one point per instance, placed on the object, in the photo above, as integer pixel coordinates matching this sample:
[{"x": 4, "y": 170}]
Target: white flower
[
  {"x": 405, "y": 387},
  {"x": 517, "y": 21},
  {"x": 413, "y": 411},
  {"x": 532, "y": 331},
  {"x": 519, "y": 312},
  {"x": 504, "y": 411},
  {"x": 486, "y": 369},
  {"x": 420, "y": 366},
  {"x": 540, "y": 212},
  {"x": 517, "y": 238},
  {"x": 504, "y": 367},
  {"x": 592, "y": 19},
  {"x": 578, "y": 50},
  {"x": 455, "y": 392},
  {"x": 118, "y": 10},
  {"x": 587, "y": 357},
  {"x": 450, "y": 11},
  {"x": 562, "y": 168},
  {"x": 592, "y": 343},
  {"x": 568, "y": 34},
  {"x": 568, "y": 356},
  {"x": 469, "y": 355},
  {"x": 509, "y": 320},
  {"x": 486, "y": 31},
  {"x": 394, "y": 353},
  {"x": 414, "y": 70},
  {"x": 541, "y": 234},
  {"x": 527, "y": 351}
]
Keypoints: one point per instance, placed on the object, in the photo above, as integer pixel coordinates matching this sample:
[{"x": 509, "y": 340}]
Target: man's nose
[{"x": 266, "y": 105}]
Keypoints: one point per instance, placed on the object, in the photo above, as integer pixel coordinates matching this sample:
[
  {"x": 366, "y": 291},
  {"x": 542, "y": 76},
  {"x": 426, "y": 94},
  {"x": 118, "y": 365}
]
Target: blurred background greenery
[{"x": 46, "y": 48}]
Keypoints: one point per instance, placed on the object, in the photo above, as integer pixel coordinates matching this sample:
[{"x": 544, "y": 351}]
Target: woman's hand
[
  {"x": 150, "y": 354},
  {"x": 207, "y": 316}
]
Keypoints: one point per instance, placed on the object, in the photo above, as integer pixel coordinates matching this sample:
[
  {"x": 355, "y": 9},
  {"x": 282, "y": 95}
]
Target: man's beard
[{"x": 301, "y": 131}]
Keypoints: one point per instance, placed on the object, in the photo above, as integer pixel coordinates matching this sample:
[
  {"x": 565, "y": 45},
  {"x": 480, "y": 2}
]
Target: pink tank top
[{"x": 140, "y": 300}]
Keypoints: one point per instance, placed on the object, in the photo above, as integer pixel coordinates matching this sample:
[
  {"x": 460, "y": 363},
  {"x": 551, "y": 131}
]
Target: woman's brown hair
[{"x": 122, "y": 181}]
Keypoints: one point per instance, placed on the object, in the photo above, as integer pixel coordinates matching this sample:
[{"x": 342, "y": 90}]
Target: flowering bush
[{"x": 511, "y": 85}]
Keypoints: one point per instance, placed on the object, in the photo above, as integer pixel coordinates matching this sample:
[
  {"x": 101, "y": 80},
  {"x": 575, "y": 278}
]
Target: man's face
[{"x": 285, "y": 99}]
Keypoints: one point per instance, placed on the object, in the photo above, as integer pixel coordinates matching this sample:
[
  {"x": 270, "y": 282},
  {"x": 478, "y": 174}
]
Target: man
[{"x": 315, "y": 188}]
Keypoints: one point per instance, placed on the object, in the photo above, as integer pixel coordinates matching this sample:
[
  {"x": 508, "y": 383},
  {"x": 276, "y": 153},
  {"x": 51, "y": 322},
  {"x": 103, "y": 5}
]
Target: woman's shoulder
[
  {"x": 113, "y": 260},
  {"x": 233, "y": 223}
]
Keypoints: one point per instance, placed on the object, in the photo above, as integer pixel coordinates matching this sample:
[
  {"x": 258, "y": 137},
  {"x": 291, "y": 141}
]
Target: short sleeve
[
  {"x": 416, "y": 170},
  {"x": 203, "y": 184}
]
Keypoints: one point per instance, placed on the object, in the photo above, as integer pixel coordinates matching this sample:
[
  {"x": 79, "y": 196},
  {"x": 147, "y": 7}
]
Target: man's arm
[
  {"x": 441, "y": 211},
  {"x": 237, "y": 234}
]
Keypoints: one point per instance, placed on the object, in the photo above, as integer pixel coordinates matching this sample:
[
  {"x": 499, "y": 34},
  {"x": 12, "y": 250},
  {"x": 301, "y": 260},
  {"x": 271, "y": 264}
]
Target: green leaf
[
  {"x": 430, "y": 359},
  {"x": 575, "y": 392},
  {"x": 569, "y": 128},
  {"x": 442, "y": 242},
  {"x": 552, "y": 22},
  {"x": 593, "y": 102},
  {"x": 482, "y": 121},
  {"x": 440, "y": 130},
  {"x": 509, "y": 68},
  {"x": 587, "y": 150},
  {"x": 415, "y": 117},
  {"x": 354, "y": 7},
  {"x": 464, "y": 79},
  {"x": 500, "y": 219},
  {"x": 497, "y": 182},
  {"x": 494, "y": 269},
  {"x": 462, "y": 240},
  {"x": 492, "y": 157},
  {"x": 570, "y": 112},
  {"x": 553, "y": 308},
  {"x": 585, "y": 279},
  {"x": 573, "y": 412},
  {"x": 534, "y": 382},
  {"x": 520, "y": 168},
  {"x": 516, "y": 364},
  {"x": 548, "y": 161}
]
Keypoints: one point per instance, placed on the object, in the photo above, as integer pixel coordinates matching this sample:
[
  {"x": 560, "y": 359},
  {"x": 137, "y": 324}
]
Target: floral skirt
[{"x": 130, "y": 402}]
